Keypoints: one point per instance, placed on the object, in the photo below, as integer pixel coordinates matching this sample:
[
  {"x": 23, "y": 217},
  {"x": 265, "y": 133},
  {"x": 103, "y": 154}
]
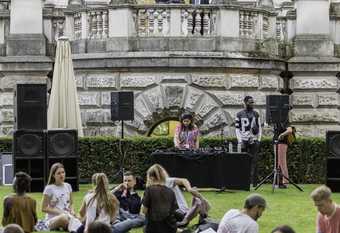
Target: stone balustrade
[{"x": 114, "y": 22}]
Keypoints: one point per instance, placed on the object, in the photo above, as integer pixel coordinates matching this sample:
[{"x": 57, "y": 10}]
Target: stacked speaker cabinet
[
  {"x": 31, "y": 106},
  {"x": 30, "y": 156},
  {"x": 62, "y": 147},
  {"x": 333, "y": 160}
]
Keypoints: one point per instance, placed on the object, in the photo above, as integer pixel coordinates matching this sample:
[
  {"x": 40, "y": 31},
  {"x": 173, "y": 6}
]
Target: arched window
[{"x": 164, "y": 128}]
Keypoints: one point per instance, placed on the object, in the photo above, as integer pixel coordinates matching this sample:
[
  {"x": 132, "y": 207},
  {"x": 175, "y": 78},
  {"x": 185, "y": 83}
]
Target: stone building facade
[{"x": 200, "y": 58}]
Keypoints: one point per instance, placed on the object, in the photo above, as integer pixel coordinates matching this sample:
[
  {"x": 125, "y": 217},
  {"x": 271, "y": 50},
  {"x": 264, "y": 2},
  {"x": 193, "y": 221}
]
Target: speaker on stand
[
  {"x": 62, "y": 147},
  {"x": 29, "y": 150},
  {"x": 333, "y": 160}
]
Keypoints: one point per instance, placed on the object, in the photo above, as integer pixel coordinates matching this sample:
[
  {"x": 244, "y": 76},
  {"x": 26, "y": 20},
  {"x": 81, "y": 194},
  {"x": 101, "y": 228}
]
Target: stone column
[
  {"x": 312, "y": 29},
  {"x": 121, "y": 28},
  {"x": 228, "y": 35},
  {"x": 26, "y": 34},
  {"x": 314, "y": 84}
]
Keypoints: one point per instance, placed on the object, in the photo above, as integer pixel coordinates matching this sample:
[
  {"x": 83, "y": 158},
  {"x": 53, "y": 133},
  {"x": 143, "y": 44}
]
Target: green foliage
[{"x": 306, "y": 157}]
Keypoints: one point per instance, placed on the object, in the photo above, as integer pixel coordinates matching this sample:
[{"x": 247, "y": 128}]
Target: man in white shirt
[{"x": 244, "y": 221}]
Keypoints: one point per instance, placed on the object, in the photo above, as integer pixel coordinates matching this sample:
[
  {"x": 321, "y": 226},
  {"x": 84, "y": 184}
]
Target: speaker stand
[{"x": 276, "y": 174}]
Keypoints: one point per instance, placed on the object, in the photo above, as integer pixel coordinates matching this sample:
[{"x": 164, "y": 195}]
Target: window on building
[{"x": 165, "y": 128}]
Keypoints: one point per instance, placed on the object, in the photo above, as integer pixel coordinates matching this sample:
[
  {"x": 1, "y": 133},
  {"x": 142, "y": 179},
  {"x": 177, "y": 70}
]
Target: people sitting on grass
[
  {"x": 159, "y": 203},
  {"x": 20, "y": 208},
  {"x": 99, "y": 205},
  {"x": 99, "y": 227},
  {"x": 199, "y": 204},
  {"x": 283, "y": 229},
  {"x": 328, "y": 217},
  {"x": 244, "y": 221},
  {"x": 129, "y": 205},
  {"x": 57, "y": 203},
  {"x": 13, "y": 228}
]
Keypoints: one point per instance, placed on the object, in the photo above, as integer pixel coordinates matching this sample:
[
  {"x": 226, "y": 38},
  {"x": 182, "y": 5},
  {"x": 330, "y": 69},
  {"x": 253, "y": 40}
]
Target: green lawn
[{"x": 286, "y": 206}]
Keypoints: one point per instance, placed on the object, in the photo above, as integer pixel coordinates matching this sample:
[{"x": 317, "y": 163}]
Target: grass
[{"x": 286, "y": 206}]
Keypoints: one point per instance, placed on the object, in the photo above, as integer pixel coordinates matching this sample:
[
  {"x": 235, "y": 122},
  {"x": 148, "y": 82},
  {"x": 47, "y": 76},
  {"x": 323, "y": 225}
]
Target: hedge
[{"x": 306, "y": 156}]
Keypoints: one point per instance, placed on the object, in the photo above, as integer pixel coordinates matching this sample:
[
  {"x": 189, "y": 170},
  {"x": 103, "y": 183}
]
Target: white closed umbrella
[{"x": 63, "y": 109}]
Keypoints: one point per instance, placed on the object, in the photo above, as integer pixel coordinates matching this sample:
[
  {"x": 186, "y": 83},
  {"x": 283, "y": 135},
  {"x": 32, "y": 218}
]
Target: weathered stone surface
[
  {"x": 154, "y": 95},
  {"x": 244, "y": 81},
  {"x": 89, "y": 98},
  {"x": 302, "y": 99},
  {"x": 229, "y": 98},
  {"x": 209, "y": 80},
  {"x": 137, "y": 80},
  {"x": 259, "y": 97},
  {"x": 207, "y": 106},
  {"x": 305, "y": 131},
  {"x": 6, "y": 130},
  {"x": 6, "y": 99},
  {"x": 103, "y": 80},
  {"x": 7, "y": 115},
  {"x": 192, "y": 98},
  {"x": 142, "y": 107},
  {"x": 174, "y": 77},
  {"x": 9, "y": 82},
  {"x": 108, "y": 131},
  {"x": 321, "y": 130},
  {"x": 98, "y": 116},
  {"x": 215, "y": 120},
  {"x": 106, "y": 98},
  {"x": 315, "y": 83},
  {"x": 316, "y": 115},
  {"x": 269, "y": 81},
  {"x": 328, "y": 99},
  {"x": 80, "y": 80},
  {"x": 174, "y": 95}
]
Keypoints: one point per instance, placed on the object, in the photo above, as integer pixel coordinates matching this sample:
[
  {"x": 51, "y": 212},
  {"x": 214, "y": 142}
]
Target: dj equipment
[{"x": 207, "y": 168}]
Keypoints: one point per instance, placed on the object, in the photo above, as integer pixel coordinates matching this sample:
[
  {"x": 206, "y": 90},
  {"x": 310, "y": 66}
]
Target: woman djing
[{"x": 187, "y": 133}]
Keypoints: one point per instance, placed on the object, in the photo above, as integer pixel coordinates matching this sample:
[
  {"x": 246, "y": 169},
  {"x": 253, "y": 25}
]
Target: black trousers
[{"x": 252, "y": 149}]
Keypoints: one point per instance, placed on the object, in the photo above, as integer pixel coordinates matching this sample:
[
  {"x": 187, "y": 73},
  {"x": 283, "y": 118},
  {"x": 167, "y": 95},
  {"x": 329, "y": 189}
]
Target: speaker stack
[
  {"x": 34, "y": 148},
  {"x": 333, "y": 160},
  {"x": 29, "y": 149}
]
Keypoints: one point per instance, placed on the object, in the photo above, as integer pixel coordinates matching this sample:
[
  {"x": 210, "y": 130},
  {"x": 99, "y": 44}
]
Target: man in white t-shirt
[{"x": 244, "y": 221}]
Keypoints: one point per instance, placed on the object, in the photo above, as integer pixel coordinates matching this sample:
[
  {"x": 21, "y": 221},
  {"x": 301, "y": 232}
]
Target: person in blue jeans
[{"x": 129, "y": 205}]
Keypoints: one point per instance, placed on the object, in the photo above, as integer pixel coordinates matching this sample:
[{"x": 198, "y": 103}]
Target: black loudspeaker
[
  {"x": 62, "y": 147},
  {"x": 29, "y": 150},
  {"x": 333, "y": 173},
  {"x": 333, "y": 143},
  {"x": 333, "y": 160},
  {"x": 31, "y": 106},
  {"x": 122, "y": 106},
  {"x": 277, "y": 108}
]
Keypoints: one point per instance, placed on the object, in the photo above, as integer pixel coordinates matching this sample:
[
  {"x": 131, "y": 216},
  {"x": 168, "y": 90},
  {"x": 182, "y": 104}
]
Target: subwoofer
[
  {"x": 29, "y": 155},
  {"x": 62, "y": 147},
  {"x": 333, "y": 160},
  {"x": 122, "y": 106},
  {"x": 63, "y": 143}
]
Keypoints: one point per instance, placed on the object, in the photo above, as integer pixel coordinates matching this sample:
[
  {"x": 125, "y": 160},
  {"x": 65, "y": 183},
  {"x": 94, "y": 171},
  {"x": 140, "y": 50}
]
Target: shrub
[{"x": 306, "y": 157}]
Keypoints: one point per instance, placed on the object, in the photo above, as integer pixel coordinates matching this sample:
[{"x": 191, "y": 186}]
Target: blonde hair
[
  {"x": 156, "y": 174},
  {"x": 105, "y": 199},
  {"x": 321, "y": 193},
  {"x": 53, "y": 170}
]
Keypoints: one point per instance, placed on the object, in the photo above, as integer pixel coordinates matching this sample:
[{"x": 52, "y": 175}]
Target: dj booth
[{"x": 207, "y": 168}]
